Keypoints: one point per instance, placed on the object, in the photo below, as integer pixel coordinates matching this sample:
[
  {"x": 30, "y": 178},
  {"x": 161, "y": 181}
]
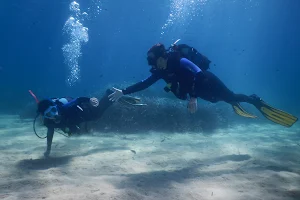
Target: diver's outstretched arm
[{"x": 50, "y": 134}]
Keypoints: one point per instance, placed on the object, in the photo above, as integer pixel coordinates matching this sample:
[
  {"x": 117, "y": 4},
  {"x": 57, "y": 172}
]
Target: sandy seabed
[{"x": 241, "y": 162}]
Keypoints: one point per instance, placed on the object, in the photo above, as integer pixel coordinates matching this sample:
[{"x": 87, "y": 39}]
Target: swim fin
[
  {"x": 129, "y": 100},
  {"x": 240, "y": 111},
  {"x": 275, "y": 115}
]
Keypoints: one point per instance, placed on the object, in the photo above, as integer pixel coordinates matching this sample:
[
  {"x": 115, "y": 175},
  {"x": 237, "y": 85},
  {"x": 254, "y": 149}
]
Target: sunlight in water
[{"x": 181, "y": 12}]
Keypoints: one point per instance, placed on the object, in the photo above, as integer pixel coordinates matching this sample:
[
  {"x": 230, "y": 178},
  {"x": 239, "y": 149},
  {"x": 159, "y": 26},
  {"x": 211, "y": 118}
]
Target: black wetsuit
[
  {"x": 186, "y": 79},
  {"x": 74, "y": 112}
]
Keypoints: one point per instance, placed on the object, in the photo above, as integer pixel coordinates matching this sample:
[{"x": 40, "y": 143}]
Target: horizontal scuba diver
[
  {"x": 186, "y": 78},
  {"x": 67, "y": 114}
]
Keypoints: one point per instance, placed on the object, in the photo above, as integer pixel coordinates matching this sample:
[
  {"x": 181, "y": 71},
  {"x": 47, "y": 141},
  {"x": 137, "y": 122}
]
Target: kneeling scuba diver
[{"x": 66, "y": 114}]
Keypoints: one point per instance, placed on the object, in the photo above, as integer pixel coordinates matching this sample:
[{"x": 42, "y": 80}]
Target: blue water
[
  {"x": 62, "y": 48},
  {"x": 254, "y": 45}
]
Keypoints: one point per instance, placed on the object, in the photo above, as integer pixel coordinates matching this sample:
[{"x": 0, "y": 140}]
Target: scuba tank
[{"x": 191, "y": 54}]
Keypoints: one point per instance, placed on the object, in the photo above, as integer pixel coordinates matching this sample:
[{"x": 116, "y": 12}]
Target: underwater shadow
[
  {"x": 273, "y": 167},
  {"x": 233, "y": 157},
  {"x": 278, "y": 168},
  {"x": 219, "y": 160},
  {"x": 43, "y": 163},
  {"x": 163, "y": 178}
]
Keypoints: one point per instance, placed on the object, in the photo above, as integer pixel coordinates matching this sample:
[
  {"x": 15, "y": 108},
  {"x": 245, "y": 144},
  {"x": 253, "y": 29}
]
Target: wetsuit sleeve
[
  {"x": 142, "y": 84},
  {"x": 50, "y": 133}
]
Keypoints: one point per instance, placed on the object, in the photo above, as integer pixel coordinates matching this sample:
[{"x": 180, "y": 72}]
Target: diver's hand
[
  {"x": 116, "y": 95},
  {"x": 192, "y": 105},
  {"x": 94, "y": 102},
  {"x": 47, "y": 153}
]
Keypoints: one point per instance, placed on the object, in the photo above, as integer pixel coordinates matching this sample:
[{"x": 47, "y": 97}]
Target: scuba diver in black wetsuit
[
  {"x": 189, "y": 81},
  {"x": 68, "y": 113}
]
